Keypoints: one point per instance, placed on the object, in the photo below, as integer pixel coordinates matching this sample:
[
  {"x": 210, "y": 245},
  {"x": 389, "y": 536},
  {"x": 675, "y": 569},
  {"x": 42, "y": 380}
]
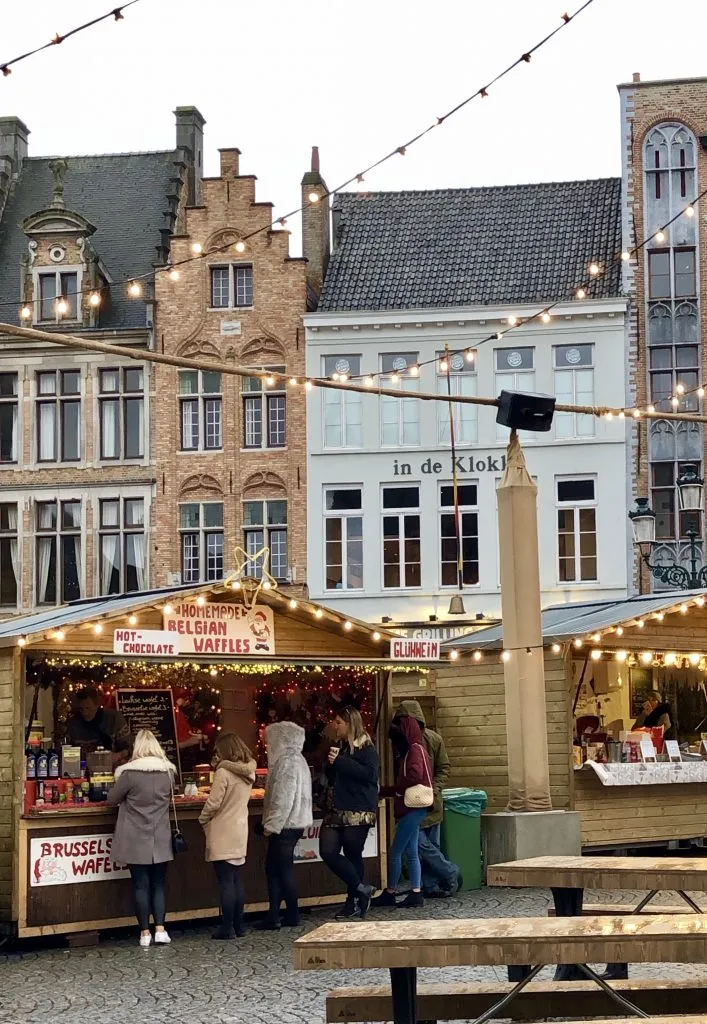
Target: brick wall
[
  {"x": 644, "y": 106},
  {"x": 11, "y": 773},
  {"x": 271, "y": 334}
]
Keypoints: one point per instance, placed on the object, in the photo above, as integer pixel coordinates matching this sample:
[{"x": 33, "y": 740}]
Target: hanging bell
[{"x": 456, "y": 605}]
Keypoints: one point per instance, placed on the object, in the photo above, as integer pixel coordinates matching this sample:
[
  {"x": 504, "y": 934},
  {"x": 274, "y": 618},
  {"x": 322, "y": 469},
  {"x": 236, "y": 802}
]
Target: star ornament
[{"x": 245, "y": 567}]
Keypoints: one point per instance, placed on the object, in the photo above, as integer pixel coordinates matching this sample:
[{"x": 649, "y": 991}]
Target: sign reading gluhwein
[
  {"x": 148, "y": 643},
  {"x": 403, "y": 649},
  {"x": 213, "y": 628}
]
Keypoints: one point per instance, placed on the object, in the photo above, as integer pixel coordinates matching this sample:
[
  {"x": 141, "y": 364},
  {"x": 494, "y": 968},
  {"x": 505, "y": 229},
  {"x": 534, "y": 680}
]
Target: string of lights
[
  {"x": 116, "y": 13},
  {"x": 134, "y": 284}
]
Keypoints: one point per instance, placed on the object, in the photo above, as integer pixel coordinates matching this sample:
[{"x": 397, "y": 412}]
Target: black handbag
[{"x": 179, "y": 843}]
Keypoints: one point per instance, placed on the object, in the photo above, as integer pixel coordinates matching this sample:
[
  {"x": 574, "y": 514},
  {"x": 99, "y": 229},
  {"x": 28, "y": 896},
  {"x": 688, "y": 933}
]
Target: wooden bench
[
  {"x": 404, "y": 946},
  {"x": 656, "y": 874},
  {"x": 539, "y": 999},
  {"x": 612, "y": 909}
]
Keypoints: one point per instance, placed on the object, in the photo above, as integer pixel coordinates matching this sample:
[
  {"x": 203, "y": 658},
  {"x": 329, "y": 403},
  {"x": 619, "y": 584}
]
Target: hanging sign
[
  {"x": 404, "y": 649},
  {"x": 151, "y": 709},
  {"x": 214, "y": 628},
  {"x": 65, "y": 860},
  {"x": 146, "y": 643}
]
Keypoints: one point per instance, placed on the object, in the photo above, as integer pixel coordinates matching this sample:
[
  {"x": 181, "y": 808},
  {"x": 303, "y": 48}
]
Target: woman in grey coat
[{"x": 143, "y": 837}]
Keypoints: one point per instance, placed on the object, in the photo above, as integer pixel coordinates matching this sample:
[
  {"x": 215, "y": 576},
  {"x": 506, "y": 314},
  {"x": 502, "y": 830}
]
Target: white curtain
[
  {"x": 44, "y": 556},
  {"x": 138, "y": 540},
  {"x": 47, "y": 432},
  {"x": 14, "y": 552},
  {"x": 110, "y": 547},
  {"x": 14, "y": 434},
  {"x": 79, "y": 565},
  {"x": 109, "y": 430}
]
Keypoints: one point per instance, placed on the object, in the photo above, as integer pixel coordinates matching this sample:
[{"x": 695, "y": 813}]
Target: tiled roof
[
  {"x": 124, "y": 195},
  {"x": 475, "y": 246}
]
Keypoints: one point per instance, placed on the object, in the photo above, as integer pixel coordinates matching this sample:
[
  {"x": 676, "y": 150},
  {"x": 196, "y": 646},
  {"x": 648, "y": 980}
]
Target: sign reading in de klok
[{"x": 463, "y": 463}]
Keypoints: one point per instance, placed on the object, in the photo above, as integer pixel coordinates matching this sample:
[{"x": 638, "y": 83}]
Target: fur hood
[
  {"x": 283, "y": 738},
  {"x": 145, "y": 764},
  {"x": 243, "y": 770}
]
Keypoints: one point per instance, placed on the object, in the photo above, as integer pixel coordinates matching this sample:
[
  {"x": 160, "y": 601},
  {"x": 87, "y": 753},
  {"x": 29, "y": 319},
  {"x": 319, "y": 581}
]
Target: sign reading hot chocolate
[{"x": 213, "y": 628}]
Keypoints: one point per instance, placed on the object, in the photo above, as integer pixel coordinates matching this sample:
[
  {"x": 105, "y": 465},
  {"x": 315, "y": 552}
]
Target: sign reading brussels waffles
[
  {"x": 64, "y": 860},
  {"x": 213, "y": 628}
]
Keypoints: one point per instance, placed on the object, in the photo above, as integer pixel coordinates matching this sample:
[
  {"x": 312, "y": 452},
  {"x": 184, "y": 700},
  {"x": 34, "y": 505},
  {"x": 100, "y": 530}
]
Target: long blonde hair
[
  {"x": 147, "y": 745},
  {"x": 356, "y": 735}
]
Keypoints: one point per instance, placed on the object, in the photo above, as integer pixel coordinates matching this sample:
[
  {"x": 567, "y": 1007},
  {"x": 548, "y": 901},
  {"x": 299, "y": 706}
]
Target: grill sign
[{"x": 404, "y": 649}]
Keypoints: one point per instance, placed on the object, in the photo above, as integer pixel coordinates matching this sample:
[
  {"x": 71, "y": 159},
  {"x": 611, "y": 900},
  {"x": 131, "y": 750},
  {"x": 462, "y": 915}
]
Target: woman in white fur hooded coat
[
  {"x": 287, "y": 812},
  {"x": 143, "y": 836}
]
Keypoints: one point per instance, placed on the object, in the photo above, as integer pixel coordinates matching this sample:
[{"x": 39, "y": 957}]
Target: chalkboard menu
[{"x": 153, "y": 710}]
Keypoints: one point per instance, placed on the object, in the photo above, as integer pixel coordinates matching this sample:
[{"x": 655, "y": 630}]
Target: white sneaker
[
  {"x": 145, "y": 940},
  {"x": 162, "y": 939}
]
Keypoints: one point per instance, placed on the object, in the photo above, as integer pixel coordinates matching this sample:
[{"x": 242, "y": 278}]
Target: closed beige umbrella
[{"x": 526, "y": 718}]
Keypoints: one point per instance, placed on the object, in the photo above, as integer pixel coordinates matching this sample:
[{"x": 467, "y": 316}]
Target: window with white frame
[
  {"x": 402, "y": 560},
  {"x": 468, "y": 533},
  {"x": 342, "y": 409},
  {"x": 574, "y": 385},
  {"x": 200, "y": 410},
  {"x": 343, "y": 538},
  {"x": 8, "y": 417},
  {"x": 459, "y": 379},
  {"x": 121, "y": 402},
  {"x": 264, "y": 410},
  {"x": 265, "y": 526},
  {"x": 201, "y": 533},
  {"x": 9, "y": 555},
  {"x": 231, "y": 286},
  {"x": 515, "y": 371},
  {"x": 55, "y": 286},
  {"x": 59, "y": 416},
  {"x": 58, "y": 551},
  {"x": 400, "y": 417},
  {"x": 576, "y": 530},
  {"x": 122, "y": 545}
]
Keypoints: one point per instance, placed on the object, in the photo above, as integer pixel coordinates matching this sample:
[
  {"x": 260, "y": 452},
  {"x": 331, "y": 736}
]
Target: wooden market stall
[
  {"x": 187, "y": 663},
  {"x": 602, "y": 662}
]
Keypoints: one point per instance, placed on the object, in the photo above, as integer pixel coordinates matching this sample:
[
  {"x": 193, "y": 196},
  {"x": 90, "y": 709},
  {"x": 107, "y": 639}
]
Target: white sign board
[
  {"x": 214, "y": 628},
  {"x": 229, "y": 327},
  {"x": 673, "y": 750},
  {"x": 307, "y": 849},
  {"x": 405, "y": 649},
  {"x": 66, "y": 860},
  {"x": 648, "y": 750},
  {"x": 146, "y": 643}
]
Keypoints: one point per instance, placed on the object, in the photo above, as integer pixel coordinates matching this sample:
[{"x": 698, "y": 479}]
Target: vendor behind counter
[{"x": 91, "y": 725}]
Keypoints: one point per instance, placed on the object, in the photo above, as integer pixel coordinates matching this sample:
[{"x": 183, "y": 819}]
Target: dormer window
[{"x": 57, "y": 287}]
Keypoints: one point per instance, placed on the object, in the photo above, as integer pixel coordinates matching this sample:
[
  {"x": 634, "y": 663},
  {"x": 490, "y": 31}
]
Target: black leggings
[
  {"x": 230, "y": 880},
  {"x": 347, "y": 865},
  {"x": 148, "y": 891},
  {"x": 279, "y": 870}
]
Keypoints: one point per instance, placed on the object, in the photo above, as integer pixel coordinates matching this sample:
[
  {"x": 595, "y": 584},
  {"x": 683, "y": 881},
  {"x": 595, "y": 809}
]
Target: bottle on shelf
[
  {"x": 42, "y": 763},
  {"x": 30, "y": 763},
  {"x": 53, "y": 762}
]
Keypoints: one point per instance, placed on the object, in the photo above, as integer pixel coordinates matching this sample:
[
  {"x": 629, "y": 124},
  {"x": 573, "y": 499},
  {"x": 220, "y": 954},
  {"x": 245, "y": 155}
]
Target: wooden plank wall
[
  {"x": 472, "y": 719},
  {"x": 631, "y": 814},
  {"x": 11, "y": 774}
]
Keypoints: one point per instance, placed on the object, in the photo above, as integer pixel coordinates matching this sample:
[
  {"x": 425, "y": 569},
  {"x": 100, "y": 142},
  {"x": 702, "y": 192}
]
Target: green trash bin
[{"x": 461, "y": 832}]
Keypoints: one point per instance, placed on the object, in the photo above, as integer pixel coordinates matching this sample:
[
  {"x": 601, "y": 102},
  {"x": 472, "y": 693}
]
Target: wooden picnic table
[
  {"x": 403, "y": 947},
  {"x": 567, "y": 878}
]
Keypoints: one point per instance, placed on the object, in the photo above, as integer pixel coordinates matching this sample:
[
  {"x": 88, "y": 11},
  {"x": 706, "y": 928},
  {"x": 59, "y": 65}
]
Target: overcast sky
[{"x": 357, "y": 78}]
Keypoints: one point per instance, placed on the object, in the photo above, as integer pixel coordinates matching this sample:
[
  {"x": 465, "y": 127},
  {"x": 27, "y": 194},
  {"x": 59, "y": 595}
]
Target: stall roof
[
  {"x": 563, "y": 622},
  {"x": 119, "y": 605}
]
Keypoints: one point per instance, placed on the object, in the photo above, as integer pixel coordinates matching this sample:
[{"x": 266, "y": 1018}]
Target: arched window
[
  {"x": 670, "y": 185},
  {"x": 672, "y": 447}
]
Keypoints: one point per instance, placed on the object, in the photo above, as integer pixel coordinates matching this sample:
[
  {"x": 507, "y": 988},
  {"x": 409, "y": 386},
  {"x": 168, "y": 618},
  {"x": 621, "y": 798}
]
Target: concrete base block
[{"x": 515, "y": 835}]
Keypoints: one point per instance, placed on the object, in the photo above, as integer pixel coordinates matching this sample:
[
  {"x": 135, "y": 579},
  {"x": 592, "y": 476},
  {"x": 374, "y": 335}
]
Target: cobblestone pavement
[{"x": 251, "y": 981}]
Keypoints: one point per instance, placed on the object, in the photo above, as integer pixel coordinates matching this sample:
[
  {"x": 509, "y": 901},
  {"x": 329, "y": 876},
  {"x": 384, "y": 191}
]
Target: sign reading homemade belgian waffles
[{"x": 213, "y": 628}]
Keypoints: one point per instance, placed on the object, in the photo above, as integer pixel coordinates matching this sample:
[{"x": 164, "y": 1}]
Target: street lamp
[{"x": 690, "y": 495}]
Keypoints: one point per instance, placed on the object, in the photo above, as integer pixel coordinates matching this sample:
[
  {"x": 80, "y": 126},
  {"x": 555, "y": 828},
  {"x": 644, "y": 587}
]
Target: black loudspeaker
[{"x": 525, "y": 412}]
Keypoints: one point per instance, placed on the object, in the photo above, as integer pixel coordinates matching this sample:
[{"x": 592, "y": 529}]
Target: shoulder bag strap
[
  {"x": 174, "y": 804},
  {"x": 427, "y": 767}
]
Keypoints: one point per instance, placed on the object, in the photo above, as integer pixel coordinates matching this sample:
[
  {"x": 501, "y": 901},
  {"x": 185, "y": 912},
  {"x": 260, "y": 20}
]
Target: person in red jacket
[{"x": 415, "y": 770}]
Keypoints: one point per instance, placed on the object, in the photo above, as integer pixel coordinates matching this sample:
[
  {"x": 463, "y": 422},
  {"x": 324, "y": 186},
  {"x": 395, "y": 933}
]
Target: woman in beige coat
[{"x": 225, "y": 822}]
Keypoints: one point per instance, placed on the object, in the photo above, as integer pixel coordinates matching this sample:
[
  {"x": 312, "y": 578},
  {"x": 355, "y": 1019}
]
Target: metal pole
[{"x": 455, "y": 479}]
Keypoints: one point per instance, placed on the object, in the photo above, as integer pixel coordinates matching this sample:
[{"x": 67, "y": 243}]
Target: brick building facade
[
  {"x": 76, "y": 428},
  {"x": 230, "y": 452},
  {"x": 664, "y": 167}
]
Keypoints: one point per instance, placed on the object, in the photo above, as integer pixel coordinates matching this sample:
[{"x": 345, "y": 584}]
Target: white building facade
[{"x": 381, "y": 536}]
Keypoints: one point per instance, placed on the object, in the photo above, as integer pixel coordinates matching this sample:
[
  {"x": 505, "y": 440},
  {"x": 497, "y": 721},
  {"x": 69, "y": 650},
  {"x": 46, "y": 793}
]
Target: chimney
[
  {"x": 190, "y": 135},
  {"x": 637, "y": 76},
  {"x": 13, "y": 142},
  {"x": 229, "y": 162},
  {"x": 316, "y": 236}
]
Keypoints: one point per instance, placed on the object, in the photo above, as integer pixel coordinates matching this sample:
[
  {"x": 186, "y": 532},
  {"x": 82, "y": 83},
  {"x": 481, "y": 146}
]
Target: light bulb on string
[
  {"x": 293, "y": 603},
  {"x": 680, "y": 389},
  {"x": 98, "y": 628},
  {"x": 94, "y": 299},
  {"x": 596, "y": 654},
  {"x": 25, "y": 313},
  {"x": 594, "y": 269},
  {"x": 505, "y": 655},
  {"x": 135, "y": 289},
  {"x": 675, "y": 402},
  {"x": 690, "y": 211},
  {"x": 512, "y": 320},
  {"x": 619, "y": 630},
  {"x": 477, "y": 655},
  {"x": 577, "y": 642},
  {"x": 414, "y": 370},
  {"x": 650, "y": 409},
  {"x": 453, "y": 655},
  {"x": 132, "y": 621},
  {"x": 636, "y": 414},
  {"x": 660, "y": 236},
  {"x": 470, "y": 355},
  {"x": 683, "y": 609},
  {"x": 196, "y": 247},
  {"x": 313, "y": 197},
  {"x": 625, "y": 255},
  {"x": 201, "y": 600},
  {"x": 174, "y": 275},
  {"x": 444, "y": 365},
  {"x": 700, "y": 392},
  {"x": 596, "y": 637},
  {"x": 368, "y": 382},
  {"x": 239, "y": 246},
  {"x": 376, "y": 635},
  {"x": 545, "y": 317},
  {"x": 621, "y": 655},
  {"x": 699, "y": 601},
  {"x": 293, "y": 382},
  {"x": 580, "y": 293},
  {"x": 269, "y": 380},
  {"x": 556, "y": 648},
  {"x": 62, "y": 307},
  {"x": 647, "y": 657},
  {"x": 308, "y": 385},
  {"x": 694, "y": 659}
]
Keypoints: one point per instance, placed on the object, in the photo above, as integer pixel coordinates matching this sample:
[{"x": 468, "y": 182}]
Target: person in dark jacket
[
  {"x": 415, "y": 769},
  {"x": 440, "y": 877},
  {"x": 351, "y": 807}
]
